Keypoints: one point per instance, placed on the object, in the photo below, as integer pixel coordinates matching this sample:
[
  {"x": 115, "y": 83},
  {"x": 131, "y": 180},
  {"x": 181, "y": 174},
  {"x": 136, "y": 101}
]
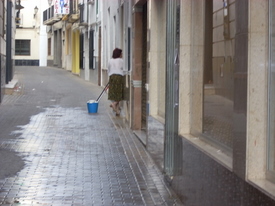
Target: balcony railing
[
  {"x": 49, "y": 17},
  {"x": 83, "y": 21}
]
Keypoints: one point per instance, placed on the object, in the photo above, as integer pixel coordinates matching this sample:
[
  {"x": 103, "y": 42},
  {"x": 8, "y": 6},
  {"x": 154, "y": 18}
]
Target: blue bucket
[{"x": 92, "y": 106}]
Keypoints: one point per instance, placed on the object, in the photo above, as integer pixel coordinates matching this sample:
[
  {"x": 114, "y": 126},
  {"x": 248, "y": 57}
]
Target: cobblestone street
[{"x": 66, "y": 156}]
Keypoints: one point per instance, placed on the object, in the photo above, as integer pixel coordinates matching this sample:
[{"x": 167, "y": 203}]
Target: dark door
[
  {"x": 81, "y": 50},
  {"x": 91, "y": 50}
]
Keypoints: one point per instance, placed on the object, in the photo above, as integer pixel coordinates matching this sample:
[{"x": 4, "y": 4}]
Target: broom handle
[{"x": 102, "y": 92}]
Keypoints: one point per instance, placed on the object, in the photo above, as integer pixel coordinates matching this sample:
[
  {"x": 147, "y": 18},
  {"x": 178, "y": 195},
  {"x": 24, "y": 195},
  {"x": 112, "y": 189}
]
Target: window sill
[
  {"x": 264, "y": 186},
  {"x": 214, "y": 152},
  {"x": 159, "y": 119}
]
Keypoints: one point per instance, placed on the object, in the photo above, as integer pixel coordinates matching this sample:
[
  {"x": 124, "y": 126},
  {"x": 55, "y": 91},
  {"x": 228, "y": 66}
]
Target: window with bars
[{"x": 23, "y": 47}]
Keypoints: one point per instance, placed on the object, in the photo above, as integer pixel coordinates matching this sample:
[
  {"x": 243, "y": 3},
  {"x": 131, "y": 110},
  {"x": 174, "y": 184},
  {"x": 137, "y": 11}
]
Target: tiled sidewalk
[{"x": 75, "y": 158}]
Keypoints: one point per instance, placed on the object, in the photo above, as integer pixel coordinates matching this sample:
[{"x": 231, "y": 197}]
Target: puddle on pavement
[
  {"x": 74, "y": 158},
  {"x": 49, "y": 145}
]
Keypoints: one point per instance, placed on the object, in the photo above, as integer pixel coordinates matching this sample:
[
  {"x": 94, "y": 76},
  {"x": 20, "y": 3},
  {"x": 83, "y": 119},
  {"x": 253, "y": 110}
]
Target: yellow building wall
[{"x": 75, "y": 52}]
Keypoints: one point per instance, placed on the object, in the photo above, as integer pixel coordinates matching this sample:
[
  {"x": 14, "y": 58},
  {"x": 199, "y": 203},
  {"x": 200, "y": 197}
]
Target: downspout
[{"x": 9, "y": 65}]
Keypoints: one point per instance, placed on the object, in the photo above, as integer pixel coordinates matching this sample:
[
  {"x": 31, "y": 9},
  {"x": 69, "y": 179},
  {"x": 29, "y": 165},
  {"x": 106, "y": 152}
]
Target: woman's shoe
[
  {"x": 113, "y": 107},
  {"x": 118, "y": 111}
]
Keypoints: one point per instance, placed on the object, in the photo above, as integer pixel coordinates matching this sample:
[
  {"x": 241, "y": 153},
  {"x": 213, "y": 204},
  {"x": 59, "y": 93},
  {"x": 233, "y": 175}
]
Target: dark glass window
[
  {"x": 23, "y": 47},
  {"x": 218, "y": 76}
]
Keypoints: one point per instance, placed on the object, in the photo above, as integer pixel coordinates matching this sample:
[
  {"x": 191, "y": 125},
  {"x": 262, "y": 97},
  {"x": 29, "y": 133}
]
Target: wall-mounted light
[
  {"x": 35, "y": 11},
  {"x": 50, "y": 2}
]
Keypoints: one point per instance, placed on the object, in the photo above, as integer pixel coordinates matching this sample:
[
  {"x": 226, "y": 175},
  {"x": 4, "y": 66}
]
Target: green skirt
[{"x": 116, "y": 88}]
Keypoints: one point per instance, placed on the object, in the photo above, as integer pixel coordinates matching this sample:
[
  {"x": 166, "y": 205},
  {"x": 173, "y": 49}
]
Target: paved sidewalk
[{"x": 64, "y": 156}]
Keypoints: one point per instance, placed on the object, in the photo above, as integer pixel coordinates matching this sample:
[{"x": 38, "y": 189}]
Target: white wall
[
  {"x": 110, "y": 29},
  {"x": 43, "y": 35},
  {"x": 32, "y": 28}
]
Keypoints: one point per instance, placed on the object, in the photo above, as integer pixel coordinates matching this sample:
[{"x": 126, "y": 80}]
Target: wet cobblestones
[{"x": 75, "y": 158}]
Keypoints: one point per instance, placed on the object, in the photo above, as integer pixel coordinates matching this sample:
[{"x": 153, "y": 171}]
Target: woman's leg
[{"x": 115, "y": 106}]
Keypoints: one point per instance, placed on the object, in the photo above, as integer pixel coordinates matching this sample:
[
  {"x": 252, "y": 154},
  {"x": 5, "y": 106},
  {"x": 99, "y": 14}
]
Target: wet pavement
[{"x": 62, "y": 155}]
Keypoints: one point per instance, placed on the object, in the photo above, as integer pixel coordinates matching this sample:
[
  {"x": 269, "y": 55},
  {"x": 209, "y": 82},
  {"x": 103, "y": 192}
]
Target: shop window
[
  {"x": 218, "y": 76},
  {"x": 22, "y": 47}
]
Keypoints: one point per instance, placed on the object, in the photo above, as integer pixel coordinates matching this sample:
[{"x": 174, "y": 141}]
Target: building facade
[
  {"x": 7, "y": 36},
  {"x": 3, "y": 12},
  {"x": 59, "y": 36},
  {"x": 30, "y": 38},
  {"x": 194, "y": 65},
  {"x": 73, "y": 37},
  {"x": 224, "y": 120}
]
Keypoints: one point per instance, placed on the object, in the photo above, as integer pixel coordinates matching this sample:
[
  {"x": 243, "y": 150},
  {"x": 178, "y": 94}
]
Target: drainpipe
[{"x": 9, "y": 65}]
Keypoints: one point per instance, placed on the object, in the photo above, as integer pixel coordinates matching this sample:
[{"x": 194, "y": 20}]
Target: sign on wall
[{"x": 61, "y": 6}]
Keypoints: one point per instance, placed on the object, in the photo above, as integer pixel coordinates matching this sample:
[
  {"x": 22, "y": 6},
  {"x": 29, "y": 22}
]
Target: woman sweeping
[{"x": 116, "y": 80}]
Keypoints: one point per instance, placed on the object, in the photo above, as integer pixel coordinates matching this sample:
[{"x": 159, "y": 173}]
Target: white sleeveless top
[{"x": 115, "y": 66}]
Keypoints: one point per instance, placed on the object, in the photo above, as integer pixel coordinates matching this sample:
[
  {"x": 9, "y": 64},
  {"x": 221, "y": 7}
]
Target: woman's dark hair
[{"x": 116, "y": 53}]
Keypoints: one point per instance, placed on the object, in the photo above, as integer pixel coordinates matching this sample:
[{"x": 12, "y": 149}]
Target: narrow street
[{"x": 53, "y": 152}]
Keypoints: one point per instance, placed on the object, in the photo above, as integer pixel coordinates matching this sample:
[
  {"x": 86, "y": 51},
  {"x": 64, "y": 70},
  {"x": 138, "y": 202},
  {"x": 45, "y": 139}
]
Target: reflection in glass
[
  {"x": 218, "y": 118},
  {"x": 218, "y": 75}
]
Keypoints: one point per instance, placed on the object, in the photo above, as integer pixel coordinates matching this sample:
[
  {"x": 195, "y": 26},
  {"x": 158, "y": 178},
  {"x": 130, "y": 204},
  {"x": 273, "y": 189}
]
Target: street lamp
[
  {"x": 50, "y": 2},
  {"x": 35, "y": 11}
]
